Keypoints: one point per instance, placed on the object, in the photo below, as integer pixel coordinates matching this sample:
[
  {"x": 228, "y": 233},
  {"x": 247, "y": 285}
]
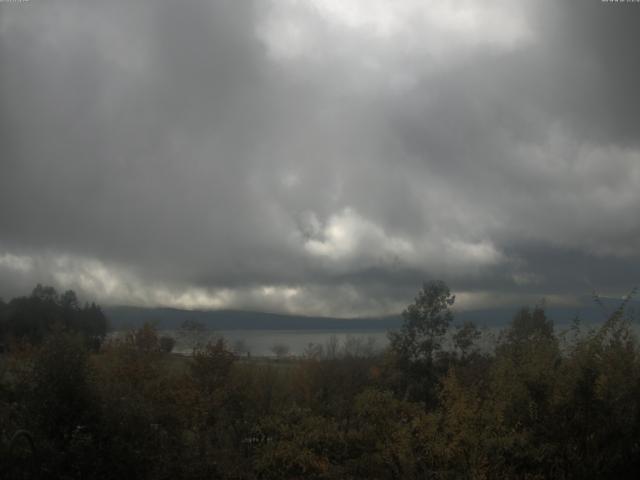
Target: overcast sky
[{"x": 319, "y": 157}]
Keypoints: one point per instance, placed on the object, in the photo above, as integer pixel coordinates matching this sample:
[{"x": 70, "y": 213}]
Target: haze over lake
[{"x": 261, "y": 342}]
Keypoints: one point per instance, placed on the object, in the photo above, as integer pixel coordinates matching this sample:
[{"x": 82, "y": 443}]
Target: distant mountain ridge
[
  {"x": 123, "y": 317},
  {"x": 172, "y": 318}
]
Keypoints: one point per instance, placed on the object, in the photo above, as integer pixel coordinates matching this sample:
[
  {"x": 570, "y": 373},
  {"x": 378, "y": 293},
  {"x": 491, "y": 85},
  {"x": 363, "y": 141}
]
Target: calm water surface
[
  {"x": 296, "y": 342},
  {"x": 261, "y": 342}
]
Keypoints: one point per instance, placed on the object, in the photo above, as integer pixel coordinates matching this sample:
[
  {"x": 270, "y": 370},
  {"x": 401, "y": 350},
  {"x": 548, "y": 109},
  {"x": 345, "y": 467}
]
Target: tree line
[
  {"x": 34, "y": 317},
  {"x": 542, "y": 404}
]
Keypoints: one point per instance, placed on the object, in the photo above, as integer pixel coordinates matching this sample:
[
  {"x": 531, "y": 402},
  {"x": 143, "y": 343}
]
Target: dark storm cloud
[{"x": 320, "y": 157}]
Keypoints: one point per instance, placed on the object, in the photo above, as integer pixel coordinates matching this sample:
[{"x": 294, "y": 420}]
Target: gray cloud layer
[{"x": 319, "y": 157}]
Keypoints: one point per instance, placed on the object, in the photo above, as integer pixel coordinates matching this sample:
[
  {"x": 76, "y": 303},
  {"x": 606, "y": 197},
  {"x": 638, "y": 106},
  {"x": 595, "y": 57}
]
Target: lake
[
  {"x": 296, "y": 342},
  {"x": 261, "y": 343}
]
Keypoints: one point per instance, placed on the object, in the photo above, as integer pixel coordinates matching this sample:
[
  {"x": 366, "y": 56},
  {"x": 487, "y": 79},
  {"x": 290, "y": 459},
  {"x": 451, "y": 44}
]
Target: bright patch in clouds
[
  {"x": 347, "y": 234},
  {"x": 470, "y": 253},
  {"x": 18, "y": 263},
  {"x": 351, "y": 241},
  {"x": 294, "y": 28}
]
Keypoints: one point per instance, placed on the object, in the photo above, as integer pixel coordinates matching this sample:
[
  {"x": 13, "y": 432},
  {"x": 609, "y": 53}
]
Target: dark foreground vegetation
[{"x": 542, "y": 404}]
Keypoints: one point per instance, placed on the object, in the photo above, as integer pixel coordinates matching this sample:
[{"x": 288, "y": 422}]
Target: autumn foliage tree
[{"x": 416, "y": 347}]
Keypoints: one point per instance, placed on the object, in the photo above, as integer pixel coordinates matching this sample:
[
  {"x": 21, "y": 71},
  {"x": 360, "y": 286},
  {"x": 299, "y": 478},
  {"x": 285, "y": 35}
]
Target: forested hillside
[{"x": 121, "y": 317}]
